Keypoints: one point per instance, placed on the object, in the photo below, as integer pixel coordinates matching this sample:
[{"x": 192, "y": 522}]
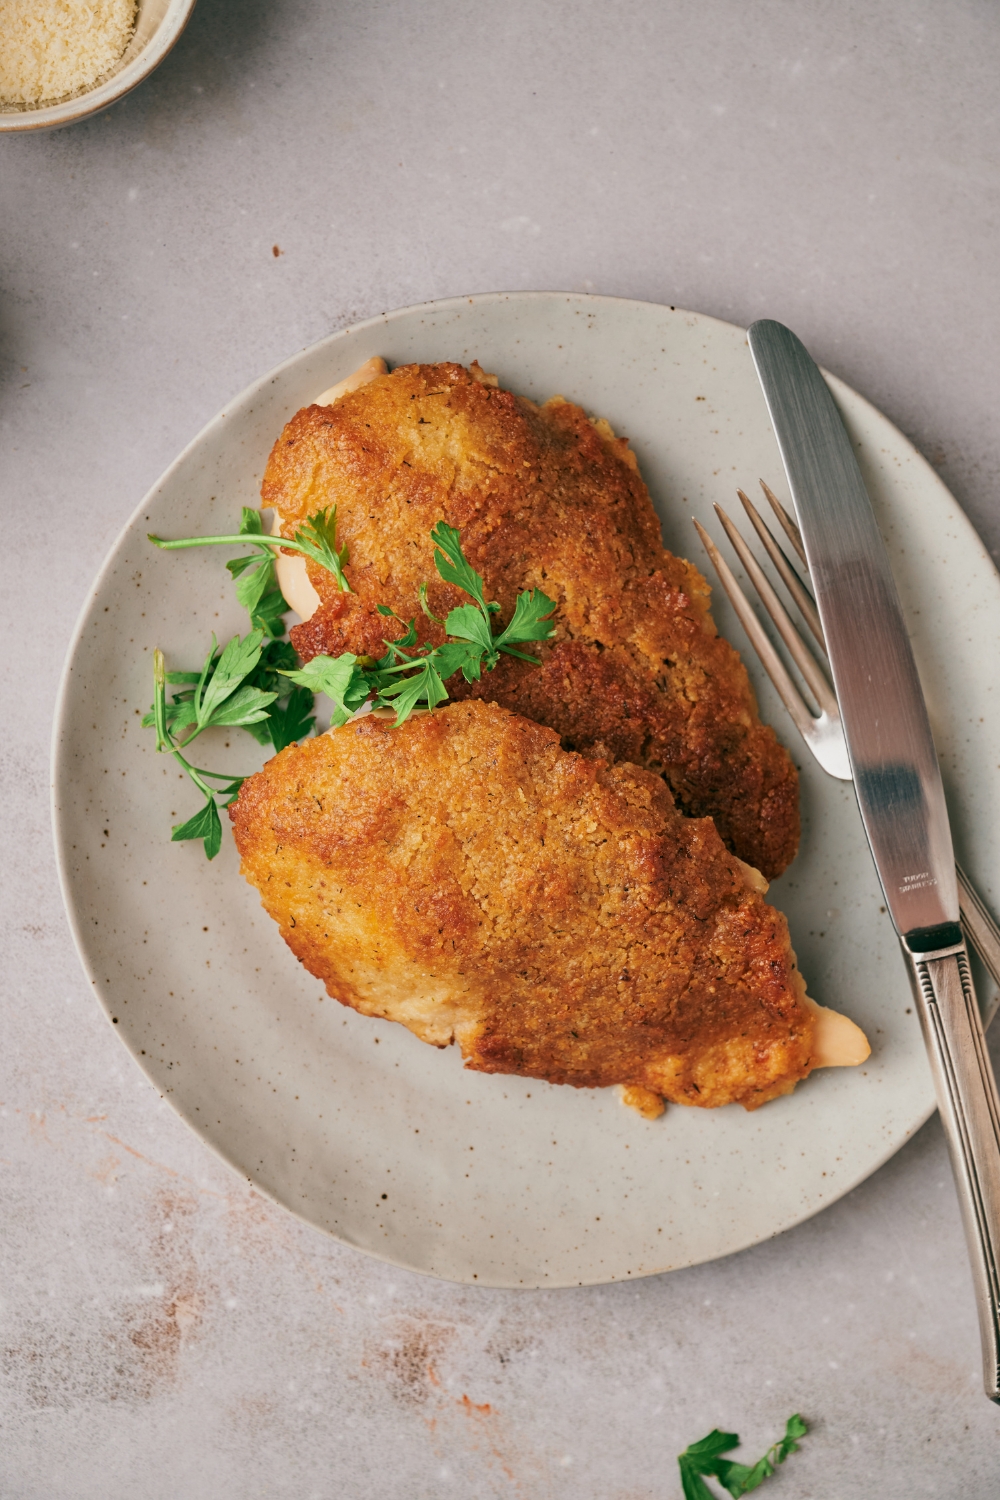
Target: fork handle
[
  {"x": 970, "y": 1113},
  {"x": 982, "y": 932}
]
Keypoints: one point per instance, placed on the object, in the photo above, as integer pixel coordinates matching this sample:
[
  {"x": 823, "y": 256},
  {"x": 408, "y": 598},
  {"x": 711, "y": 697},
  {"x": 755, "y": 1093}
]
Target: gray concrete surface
[{"x": 165, "y": 1331}]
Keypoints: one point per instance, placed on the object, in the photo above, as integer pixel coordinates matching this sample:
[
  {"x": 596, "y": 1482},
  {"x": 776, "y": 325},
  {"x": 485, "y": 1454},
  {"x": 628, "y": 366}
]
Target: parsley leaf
[
  {"x": 286, "y": 720},
  {"x": 409, "y": 639},
  {"x": 405, "y": 694},
  {"x": 254, "y": 573},
  {"x": 705, "y": 1458},
  {"x": 281, "y": 722},
  {"x": 292, "y": 720},
  {"x": 316, "y": 538},
  {"x": 463, "y": 656},
  {"x": 221, "y": 697},
  {"x": 470, "y": 624},
  {"x": 256, "y": 583},
  {"x": 231, "y": 790},
  {"x": 530, "y": 620},
  {"x": 273, "y": 657},
  {"x": 251, "y": 522},
  {"x": 451, "y": 563},
  {"x": 270, "y": 612},
  {"x": 206, "y": 825},
  {"x": 340, "y": 678},
  {"x": 220, "y": 680}
]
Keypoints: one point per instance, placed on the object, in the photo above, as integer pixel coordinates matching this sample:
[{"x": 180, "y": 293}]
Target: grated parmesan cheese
[{"x": 52, "y": 48}]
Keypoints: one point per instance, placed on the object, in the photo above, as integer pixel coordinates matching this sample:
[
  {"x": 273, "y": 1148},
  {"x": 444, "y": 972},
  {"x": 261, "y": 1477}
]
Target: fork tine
[
  {"x": 802, "y": 657},
  {"x": 759, "y": 639},
  {"x": 802, "y": 597},
  {"x": 789, "y": 527}
]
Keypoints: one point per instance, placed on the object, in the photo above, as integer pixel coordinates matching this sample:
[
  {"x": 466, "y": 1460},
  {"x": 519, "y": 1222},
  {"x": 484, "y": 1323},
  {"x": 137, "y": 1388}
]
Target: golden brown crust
[
  {"x": 554, "y": 914},
  {"x": 546, "y": 499}
]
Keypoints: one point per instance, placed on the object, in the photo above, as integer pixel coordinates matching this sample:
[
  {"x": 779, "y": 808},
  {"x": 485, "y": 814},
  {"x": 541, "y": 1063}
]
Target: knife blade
[{"x": 897, "y": 780}]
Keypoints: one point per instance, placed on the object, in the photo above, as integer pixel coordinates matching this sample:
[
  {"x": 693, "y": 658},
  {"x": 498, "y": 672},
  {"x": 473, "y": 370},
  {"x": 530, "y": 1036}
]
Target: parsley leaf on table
[{"x": 705, "y": 1458}]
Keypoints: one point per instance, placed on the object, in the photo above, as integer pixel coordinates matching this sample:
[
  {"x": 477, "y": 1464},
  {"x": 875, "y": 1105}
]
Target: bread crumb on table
[{"x": 50, "y": 49}]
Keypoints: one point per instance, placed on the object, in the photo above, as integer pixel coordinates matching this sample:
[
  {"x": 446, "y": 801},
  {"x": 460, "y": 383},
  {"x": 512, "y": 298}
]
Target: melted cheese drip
[
  {"x": 293, "y": 580},
  {"x": 292, "y": 573},
  {"x": 365, "y": 373},
  {"x": 752, "y": 877},
  {"x": 837, "y": 1041}
]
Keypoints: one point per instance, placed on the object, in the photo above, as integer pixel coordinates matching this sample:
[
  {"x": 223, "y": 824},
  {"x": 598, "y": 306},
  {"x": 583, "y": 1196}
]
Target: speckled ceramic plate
[{"x": 354, "y": 1124}]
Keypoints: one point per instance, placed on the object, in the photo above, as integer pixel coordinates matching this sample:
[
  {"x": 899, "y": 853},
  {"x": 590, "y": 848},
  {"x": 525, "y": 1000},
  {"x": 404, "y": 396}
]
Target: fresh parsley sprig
[
  {"x": 316, "y": 539},
  {"x": 473, "y": 623},
  {"x": 705, "y": 1458},
  {"x": 282, "y": 722},
  {"x": 290, "y": 716},
  {"x": 404, "y": 678},
  {"x": 219, "y": 696},
  {"x": 256, "y": 582},
  {"x": 256, "y": 686},
  {"x": 454, "y": 567}
]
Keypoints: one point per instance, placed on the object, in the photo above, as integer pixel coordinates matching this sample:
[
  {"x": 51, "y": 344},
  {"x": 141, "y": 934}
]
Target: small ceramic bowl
[{"x": 158, "y": 25}]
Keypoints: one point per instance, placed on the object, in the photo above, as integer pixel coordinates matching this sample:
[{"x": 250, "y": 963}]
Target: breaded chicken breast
[
  {"x": 544, "y": 498},
  {"x": 553, "y": 914}
]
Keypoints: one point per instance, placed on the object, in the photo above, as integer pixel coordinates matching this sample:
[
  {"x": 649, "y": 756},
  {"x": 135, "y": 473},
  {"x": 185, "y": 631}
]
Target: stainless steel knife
[{"x": 897, "y": 781}]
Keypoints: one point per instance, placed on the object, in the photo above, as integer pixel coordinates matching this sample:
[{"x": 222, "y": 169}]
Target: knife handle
[
  {"x": 981, "y": 932},
  {"x": 970, "y": 1113}
]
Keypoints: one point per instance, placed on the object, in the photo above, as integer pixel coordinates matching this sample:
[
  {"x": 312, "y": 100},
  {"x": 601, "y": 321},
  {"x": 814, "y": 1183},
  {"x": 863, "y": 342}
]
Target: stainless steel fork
[{"x": 822, "y": 732}]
